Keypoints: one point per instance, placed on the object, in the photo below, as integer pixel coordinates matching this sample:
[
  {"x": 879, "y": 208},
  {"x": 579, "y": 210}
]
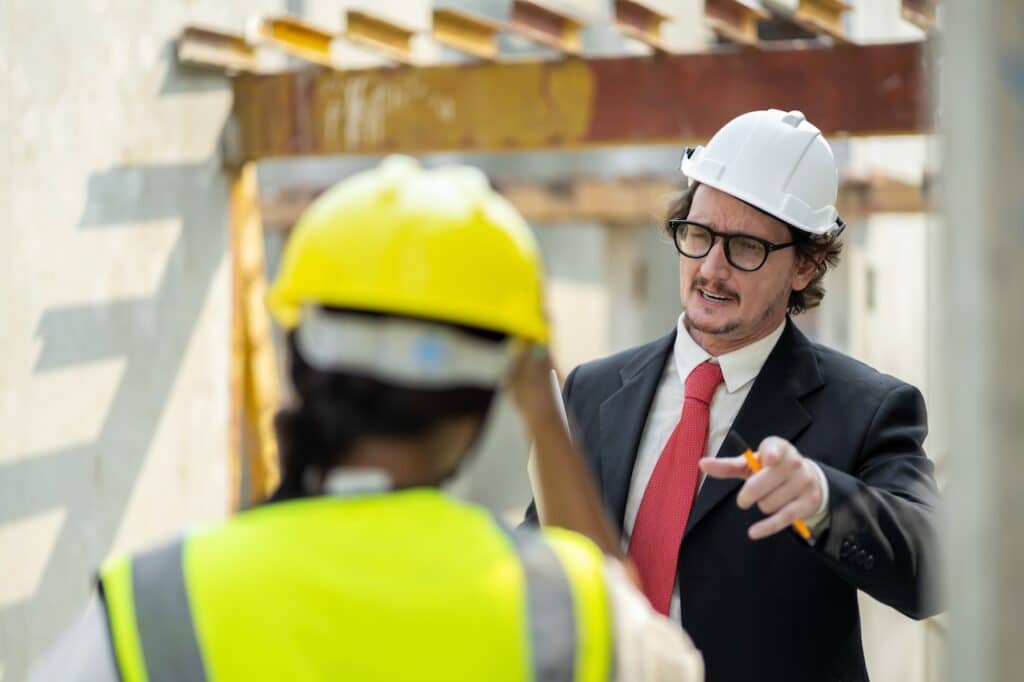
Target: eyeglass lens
[{"x": 744, "y": 253}]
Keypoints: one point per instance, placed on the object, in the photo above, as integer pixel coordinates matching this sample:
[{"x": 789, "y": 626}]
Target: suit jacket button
[{"x": 870, "y": 563}]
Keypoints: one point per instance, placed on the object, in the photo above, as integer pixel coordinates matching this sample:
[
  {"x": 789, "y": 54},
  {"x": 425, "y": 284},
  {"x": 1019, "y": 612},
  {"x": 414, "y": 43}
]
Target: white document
[
  {"x": 561, "y": 403},
  {"x": 531, "y": 474}
]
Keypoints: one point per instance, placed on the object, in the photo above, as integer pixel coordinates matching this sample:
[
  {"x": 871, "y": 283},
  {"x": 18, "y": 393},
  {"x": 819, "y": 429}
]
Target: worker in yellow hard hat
[{"x": 410, "y": 297}]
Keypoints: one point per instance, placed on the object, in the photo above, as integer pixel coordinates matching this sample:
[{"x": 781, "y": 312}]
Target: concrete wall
[
  {"x": 116, "y": 311},
  {"x": 891, "y": 317}
]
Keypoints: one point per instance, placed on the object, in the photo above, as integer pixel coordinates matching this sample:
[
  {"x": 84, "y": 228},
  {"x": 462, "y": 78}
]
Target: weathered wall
[
  {"x": 891, "y": 316},
  {"x": 983, "y": 107},
  {"x": 116, "y": 311}
]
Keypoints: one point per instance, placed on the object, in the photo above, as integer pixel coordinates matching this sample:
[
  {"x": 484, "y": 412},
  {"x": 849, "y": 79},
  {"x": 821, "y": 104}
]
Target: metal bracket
[
  {"x": 212, "y": 49},
  {"x": 920, "y": 13},
  {"x": 296, "y": 37},
  {"x": 734, "y": 21},
  {"x": 820, "y": 17},
  {"x": 546, "y": 26},
  {"x": 466, "y": 33},
  {"x": 640, "y": 22},
  {"x": 379, "y": 35}
]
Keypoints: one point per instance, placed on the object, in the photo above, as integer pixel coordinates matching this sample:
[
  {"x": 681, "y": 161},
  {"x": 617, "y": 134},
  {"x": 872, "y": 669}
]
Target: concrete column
[{"x": 983, "y": 121}]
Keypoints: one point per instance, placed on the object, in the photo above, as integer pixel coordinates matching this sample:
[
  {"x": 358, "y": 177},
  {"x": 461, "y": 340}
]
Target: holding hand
[
  {"x": 530, "y": 388},
  {"x": 787, "y": 488}
]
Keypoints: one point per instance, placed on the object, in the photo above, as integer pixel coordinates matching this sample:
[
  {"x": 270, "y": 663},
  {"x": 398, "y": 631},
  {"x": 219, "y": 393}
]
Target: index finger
[{"x": 725, "y": 467}]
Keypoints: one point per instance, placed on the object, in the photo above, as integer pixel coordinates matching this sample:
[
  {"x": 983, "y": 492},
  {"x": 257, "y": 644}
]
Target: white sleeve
[
  {"x": 648, "y": 646},
  {"x": 82, "y": 654},
  {"x": 821, "y": 519}
]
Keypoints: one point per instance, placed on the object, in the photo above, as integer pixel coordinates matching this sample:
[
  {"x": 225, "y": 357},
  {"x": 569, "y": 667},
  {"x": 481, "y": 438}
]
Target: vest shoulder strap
[
  {"x": 549, "y": 605},
  {"x": 148, "y": 606}
]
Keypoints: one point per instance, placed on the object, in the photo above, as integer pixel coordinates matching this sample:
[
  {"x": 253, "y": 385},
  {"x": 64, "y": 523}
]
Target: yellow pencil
[{"x": 755, "y": 465}]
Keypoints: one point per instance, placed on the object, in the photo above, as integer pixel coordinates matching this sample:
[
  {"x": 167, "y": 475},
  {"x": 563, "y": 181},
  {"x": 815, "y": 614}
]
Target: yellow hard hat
[{"x": 437, "y": 244}]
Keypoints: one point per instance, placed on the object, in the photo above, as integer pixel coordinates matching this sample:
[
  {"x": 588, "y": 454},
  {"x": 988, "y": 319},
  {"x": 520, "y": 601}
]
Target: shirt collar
[
  {"x": 739, "y": 367},
  {"x": 351, "y": 482}
]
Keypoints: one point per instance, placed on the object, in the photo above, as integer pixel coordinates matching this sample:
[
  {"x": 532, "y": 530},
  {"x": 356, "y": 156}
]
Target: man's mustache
[{"x": 717, "y": 290}]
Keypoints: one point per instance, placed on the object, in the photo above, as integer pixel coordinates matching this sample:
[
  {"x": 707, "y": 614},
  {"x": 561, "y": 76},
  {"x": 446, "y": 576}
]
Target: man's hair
[{"x": 824, "y": 251}]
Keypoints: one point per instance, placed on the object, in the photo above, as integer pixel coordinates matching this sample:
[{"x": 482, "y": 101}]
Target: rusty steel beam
[{"x": 668, "y": 99}]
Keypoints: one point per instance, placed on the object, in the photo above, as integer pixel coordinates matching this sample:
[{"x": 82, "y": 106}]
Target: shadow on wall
[{"x": 93, "y": 482}]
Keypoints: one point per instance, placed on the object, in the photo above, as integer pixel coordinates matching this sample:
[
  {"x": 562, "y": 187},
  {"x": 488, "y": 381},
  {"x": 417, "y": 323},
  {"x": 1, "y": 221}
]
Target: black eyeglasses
[{"x": 744, "y": 252}]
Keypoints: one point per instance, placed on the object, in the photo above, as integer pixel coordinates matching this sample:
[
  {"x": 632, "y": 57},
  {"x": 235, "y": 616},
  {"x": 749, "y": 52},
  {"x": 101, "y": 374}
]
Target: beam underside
[{"x": 577, "y": 103}]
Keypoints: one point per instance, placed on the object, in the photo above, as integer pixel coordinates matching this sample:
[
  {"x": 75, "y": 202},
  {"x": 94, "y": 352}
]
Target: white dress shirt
[{"x": 739, "y": 369}]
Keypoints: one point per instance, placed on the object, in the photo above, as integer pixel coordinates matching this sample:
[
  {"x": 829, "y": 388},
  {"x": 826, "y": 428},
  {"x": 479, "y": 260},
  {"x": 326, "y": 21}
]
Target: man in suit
[{"x": 663, "y": 426}]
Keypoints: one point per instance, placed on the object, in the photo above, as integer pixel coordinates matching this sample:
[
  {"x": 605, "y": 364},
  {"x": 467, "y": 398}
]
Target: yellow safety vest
[{"x": 408, "y": 585}]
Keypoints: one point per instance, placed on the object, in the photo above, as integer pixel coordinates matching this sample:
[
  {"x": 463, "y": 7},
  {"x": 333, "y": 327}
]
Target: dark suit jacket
[{"x": 779, "y": 609}]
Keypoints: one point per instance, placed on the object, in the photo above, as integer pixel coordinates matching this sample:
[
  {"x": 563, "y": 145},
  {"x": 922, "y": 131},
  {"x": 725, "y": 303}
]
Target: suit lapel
[
  {"x": 772, "y": 408},
  {"x": 623, "y": 415}
]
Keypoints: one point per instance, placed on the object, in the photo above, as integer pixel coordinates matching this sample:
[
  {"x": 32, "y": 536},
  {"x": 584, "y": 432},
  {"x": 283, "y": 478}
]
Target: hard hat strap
[{"x": 404, "y": 351}]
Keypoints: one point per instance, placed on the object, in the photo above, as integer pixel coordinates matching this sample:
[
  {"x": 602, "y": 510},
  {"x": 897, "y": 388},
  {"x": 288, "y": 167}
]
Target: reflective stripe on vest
[
  {"x": 168, "y": 648},
  {"x": 163, "y": 617},
  {"x": 553, "y": 634},
  {"x": 151, "y": 621}
]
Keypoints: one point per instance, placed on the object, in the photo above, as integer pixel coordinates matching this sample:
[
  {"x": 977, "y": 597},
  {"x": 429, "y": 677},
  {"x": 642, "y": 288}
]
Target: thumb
[{"x": 772, "y": 450}]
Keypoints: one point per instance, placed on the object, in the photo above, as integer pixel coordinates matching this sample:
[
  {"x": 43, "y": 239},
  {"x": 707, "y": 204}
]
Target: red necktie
[{"x": 661, "y": 520}]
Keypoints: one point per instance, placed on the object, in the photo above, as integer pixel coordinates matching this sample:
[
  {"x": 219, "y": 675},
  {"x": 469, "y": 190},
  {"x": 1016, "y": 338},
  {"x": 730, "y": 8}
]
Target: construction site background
[{"x": 114, "y": 391}]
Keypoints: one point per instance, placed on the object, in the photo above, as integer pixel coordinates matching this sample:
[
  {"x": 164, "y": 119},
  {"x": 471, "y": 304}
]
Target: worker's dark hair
[
  {"x": 333, "y": 410},
  {"x": 825, "y": 251}
]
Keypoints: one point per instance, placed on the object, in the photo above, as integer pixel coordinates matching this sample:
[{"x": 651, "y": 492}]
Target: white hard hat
[{"x": 775, "y": 161}]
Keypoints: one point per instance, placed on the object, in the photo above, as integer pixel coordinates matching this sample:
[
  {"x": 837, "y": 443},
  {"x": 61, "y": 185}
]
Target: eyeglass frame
[{"x": 769, "y": 247}]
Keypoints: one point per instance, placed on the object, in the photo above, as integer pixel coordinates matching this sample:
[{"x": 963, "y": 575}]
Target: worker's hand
[
  {"x": 530, "y": 387},
  {"x": 786, "y": 489}
]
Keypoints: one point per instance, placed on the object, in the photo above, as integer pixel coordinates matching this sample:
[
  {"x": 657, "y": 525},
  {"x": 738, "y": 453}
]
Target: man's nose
[{"x": 715, "y": 265}]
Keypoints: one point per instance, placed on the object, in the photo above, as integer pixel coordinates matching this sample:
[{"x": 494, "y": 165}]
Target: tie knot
[{"x": 703, "y": 381}]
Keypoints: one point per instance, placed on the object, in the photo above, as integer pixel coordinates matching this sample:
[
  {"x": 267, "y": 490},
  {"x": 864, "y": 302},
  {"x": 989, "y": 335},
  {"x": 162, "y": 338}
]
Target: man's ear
[{"x": 806, "y": 269}]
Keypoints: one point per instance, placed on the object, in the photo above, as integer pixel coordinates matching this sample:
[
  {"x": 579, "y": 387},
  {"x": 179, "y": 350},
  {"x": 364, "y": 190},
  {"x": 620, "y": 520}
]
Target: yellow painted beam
[{"x": 255, "y": 389}]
